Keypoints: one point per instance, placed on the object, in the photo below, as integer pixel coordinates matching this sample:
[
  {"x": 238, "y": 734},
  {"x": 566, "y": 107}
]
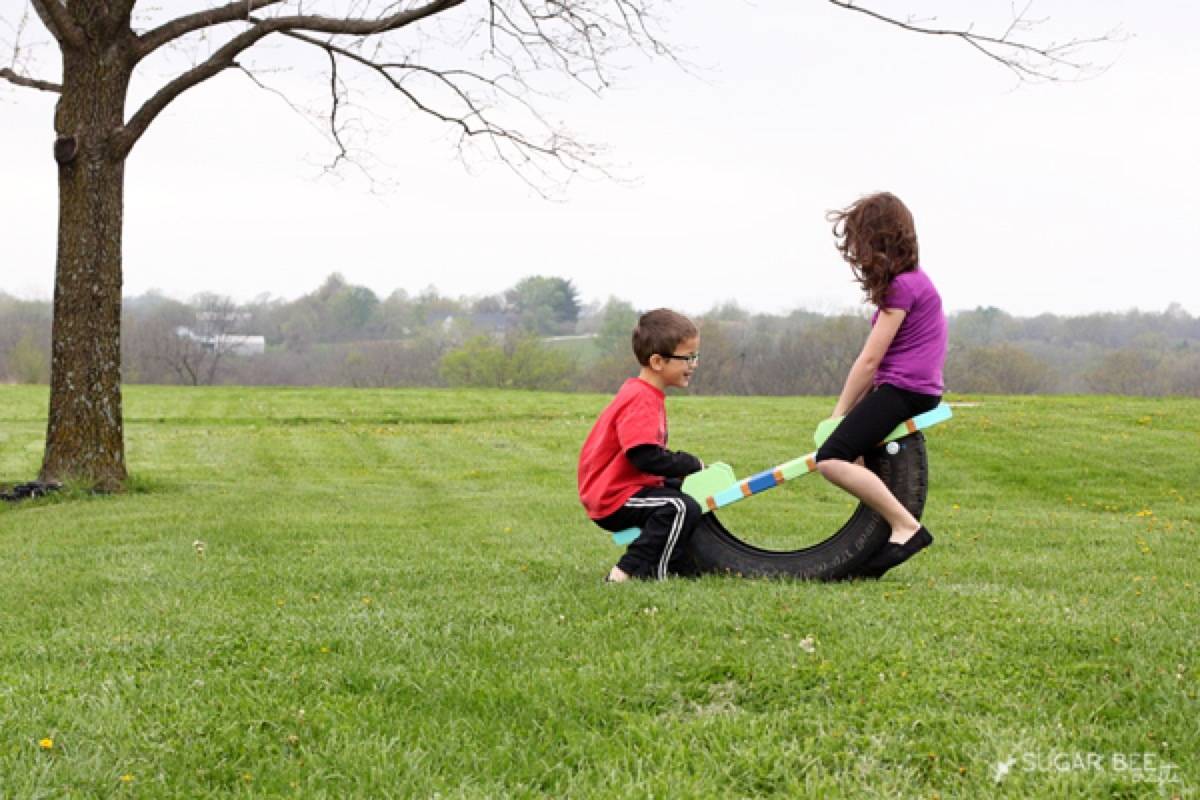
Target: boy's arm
[{"x": 655, "y": 460}]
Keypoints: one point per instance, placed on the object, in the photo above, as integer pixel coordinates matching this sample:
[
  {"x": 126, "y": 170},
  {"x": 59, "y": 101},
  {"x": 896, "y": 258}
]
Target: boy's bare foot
[{"x": 617, "y": 575}]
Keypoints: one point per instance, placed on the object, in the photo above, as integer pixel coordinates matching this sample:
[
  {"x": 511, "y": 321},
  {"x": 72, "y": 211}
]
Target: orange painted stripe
[
  {"x": 711, "y": 503},
  {"x": 910, "y": 425},
  {"x": 811, "y": 463},
  {"x": 746, "y": 489},
  {"x": 778, "y": 474}
]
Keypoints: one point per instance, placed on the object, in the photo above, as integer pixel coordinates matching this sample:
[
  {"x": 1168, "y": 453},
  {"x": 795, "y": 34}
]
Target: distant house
[
  {"x": 574, "y": 337},
  {"x": 226, "y": 342}
]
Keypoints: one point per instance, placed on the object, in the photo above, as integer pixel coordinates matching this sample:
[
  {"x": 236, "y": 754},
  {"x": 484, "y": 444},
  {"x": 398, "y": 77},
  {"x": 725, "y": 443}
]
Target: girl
[{"x": 898, "y": 374}]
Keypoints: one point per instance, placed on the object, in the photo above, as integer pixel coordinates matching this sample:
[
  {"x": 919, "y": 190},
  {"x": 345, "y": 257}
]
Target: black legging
[{"x": 875, "y": 416}]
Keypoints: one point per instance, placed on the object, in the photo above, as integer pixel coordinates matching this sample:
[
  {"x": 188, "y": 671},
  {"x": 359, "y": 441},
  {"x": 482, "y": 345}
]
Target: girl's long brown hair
[{"x": 877, "y": 237}]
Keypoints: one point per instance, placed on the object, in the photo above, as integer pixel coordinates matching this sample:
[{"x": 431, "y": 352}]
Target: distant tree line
[{"x": 539, "y": 335}]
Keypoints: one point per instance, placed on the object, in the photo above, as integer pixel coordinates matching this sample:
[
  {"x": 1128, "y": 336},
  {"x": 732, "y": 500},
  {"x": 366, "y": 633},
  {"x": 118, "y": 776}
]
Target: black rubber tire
[{"x": 715, "y": 550}]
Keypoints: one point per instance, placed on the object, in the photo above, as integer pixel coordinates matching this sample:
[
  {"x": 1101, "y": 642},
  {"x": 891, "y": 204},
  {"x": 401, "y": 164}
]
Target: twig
[
  {"x": 1029, "y": 62},
  {"x": 31, "y": 83}
]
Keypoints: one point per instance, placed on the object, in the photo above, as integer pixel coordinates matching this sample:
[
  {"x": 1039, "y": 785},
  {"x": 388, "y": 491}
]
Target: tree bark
[{"x": 85, "y": 435}]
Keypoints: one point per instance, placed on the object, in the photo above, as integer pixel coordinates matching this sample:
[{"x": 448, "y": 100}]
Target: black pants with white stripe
[{"x": 667, "y": 518}]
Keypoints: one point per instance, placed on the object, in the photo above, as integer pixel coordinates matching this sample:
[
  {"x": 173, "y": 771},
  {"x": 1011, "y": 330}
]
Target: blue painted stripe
[
  {"x": 762, "y": 481},
  {"x": 939, "y": 414},
  {"x": 727, "y": 496}
]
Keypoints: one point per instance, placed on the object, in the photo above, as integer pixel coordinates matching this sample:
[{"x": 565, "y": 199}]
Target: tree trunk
[{"x": 85, "y": 436}]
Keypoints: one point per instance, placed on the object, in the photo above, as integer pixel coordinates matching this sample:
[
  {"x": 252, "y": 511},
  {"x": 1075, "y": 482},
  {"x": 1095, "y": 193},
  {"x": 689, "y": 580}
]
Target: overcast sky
[{"x": 1064, "y": 198}]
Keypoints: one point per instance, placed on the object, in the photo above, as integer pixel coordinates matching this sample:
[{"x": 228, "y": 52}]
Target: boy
[{"x": 627, "y": 477}]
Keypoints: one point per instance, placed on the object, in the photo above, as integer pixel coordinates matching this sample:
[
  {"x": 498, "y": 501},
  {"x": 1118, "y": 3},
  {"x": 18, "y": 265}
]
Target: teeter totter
[{"x": 899, "y": 460}]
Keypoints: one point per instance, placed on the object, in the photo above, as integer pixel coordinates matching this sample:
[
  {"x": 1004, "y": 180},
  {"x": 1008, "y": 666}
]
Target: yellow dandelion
[
  {"x": 46, "y": 744},
  {"x": 127, "y": 778}
]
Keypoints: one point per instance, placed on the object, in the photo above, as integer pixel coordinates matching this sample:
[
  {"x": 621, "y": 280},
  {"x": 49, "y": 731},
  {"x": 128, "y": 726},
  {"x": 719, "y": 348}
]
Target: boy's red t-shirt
[{"x": 637, "y": 415}]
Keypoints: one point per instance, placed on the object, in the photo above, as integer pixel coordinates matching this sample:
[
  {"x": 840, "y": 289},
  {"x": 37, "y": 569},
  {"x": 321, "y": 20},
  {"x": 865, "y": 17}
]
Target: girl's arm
[{"x": 862, "y": 374}]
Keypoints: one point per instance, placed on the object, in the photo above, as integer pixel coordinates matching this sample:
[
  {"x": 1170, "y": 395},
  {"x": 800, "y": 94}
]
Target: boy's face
[{"x": 677, "y": 370}]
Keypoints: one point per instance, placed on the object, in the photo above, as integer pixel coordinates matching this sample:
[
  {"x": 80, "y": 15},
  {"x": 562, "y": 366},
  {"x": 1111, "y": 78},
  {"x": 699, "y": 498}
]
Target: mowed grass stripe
[{"x": 399, "y": 596}]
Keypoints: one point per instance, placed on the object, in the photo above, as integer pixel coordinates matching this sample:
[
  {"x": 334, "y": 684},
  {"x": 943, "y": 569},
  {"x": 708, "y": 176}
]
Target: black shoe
[{"x": 893, "y": 555}]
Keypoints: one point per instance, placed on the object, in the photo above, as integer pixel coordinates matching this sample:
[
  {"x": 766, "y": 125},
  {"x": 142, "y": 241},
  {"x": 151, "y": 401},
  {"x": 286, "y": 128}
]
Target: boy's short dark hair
[{"x": 660, "y": 331}]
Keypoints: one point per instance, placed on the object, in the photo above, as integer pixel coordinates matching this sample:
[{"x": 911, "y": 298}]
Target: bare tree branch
[
  {"x": 170, "y": 31},
  {"x": 57, "y": 19},
  {"x": 307, "y": 117},
  {"x": 326, "y": 124},
  {"x": 224, "y": 57},
  {"x": 1029, "y": 62},
  {"x": 334, "y": 103},
  {"x": 473, "y": 119},
  {"x": 360, "y": 26},
  {"x": 32, "y": 83},
  {"x": 17, "y": 70}
]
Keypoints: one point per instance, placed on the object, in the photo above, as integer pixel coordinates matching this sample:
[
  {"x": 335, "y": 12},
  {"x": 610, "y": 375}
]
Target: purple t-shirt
[{"x": 914, "y": 361}]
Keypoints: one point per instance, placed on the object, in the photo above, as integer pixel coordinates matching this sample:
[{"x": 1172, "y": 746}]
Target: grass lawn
[{"x": 368, "y": 593}]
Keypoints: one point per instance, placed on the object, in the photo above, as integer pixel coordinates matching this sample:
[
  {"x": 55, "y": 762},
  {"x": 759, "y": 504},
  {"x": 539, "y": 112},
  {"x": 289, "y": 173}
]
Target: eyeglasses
[{"x": 691, "y": 358}]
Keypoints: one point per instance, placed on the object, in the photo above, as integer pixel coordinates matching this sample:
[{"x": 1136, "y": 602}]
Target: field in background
[{"x": 334, "y": 593}]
